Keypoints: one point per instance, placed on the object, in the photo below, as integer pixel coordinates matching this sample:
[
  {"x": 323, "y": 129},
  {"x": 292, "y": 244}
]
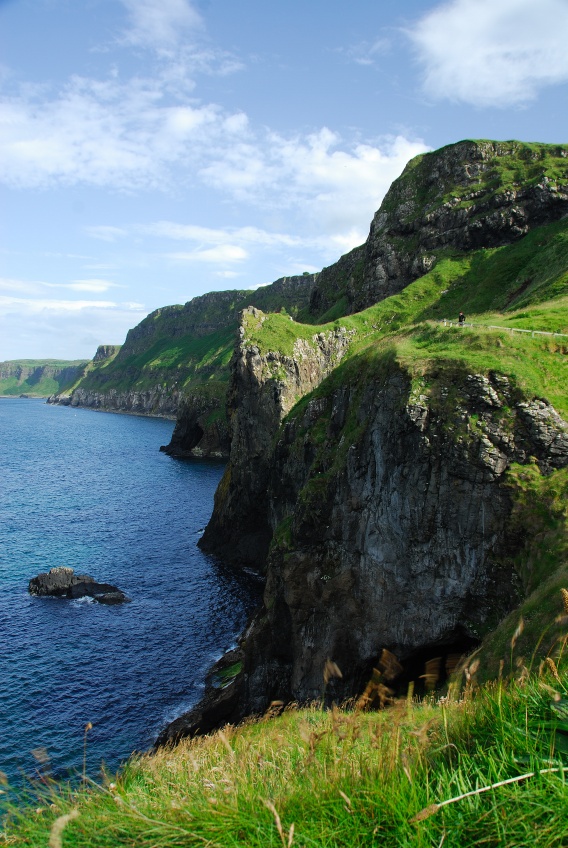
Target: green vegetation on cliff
[{"x": 38, "y": 377}]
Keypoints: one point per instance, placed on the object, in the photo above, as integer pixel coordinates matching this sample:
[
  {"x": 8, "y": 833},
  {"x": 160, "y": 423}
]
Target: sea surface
[{"x": 91, "y": 491}]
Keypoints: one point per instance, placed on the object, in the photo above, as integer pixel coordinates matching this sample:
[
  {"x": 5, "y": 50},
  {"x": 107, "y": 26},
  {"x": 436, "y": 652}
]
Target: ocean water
[{"x": 92, "y": 491}]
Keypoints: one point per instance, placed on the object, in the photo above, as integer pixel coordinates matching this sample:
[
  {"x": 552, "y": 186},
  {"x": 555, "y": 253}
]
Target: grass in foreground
[{"x": 411, "y": 775}]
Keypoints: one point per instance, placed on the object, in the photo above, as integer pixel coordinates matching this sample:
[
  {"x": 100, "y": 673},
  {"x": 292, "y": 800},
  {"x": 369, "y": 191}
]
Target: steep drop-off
[
  {"x": 375, "y": 484},
  {"x": 175, "y": 363}
]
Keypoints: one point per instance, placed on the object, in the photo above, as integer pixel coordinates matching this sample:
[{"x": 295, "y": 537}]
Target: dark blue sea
[{"x": 92, "y": 491}]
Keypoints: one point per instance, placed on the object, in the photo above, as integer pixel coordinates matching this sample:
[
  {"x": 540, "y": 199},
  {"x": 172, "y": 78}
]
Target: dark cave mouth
[
  {"x": 425, "y": 669},
  {"x": 431, "y": 667}
]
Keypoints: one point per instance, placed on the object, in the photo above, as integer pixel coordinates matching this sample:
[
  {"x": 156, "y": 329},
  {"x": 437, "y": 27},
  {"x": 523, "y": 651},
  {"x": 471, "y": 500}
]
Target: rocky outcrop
[
  {"x": 263, "y": 389},
  {"x": 380, "y": 506},
  {"x": 169, "y": 362},
  {"x": 105, "y": 352},
  {"x": 201, "y": 429},
  {"x": 470, "y": 195},
  {"x": 62, "y": 582},
  {"x": 388, "y": 508},
  {"x": 154, "y": 401}
]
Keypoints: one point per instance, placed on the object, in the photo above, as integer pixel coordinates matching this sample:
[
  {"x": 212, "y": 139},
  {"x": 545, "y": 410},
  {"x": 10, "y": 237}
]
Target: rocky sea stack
[{"x": 62, "y": 582}]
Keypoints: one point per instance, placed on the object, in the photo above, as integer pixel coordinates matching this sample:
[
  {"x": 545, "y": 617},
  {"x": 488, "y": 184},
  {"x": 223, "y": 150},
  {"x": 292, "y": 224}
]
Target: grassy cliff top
[
  {"x": 459, "y": 174},
  {"x": 521, "y": 286},
  {"x": 42, "y": 363}
]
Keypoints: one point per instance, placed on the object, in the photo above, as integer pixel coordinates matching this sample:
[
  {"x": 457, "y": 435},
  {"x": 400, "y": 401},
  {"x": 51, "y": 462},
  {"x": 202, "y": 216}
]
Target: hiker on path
[{"x": 461, "y": 319}]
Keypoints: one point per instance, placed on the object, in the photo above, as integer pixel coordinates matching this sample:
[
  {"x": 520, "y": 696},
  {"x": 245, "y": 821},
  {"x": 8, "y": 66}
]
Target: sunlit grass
[{"x": 340, "y": 778}]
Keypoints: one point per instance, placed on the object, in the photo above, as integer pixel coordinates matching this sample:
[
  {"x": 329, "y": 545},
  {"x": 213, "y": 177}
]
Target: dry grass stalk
[
  {"x": 58, "y": 827},
  {"x": 433, "y": 808},
  {"x": 389, "y": 665},
  {"x": 275, "y": 708},
  {"x": 287, "y": 840},
  {"x": 431, "y": 673},
  {"x": 517, "y": 633},
  {"x": 452, "y": 663},
  {"x": 552, "y": 666},
  {"x": 376, "y": 694},
  {"x": 564, "y": 593},
  {"x": 226, "y": 743},
  {"x": 330, "y": 670},
  {"x": 88, "y": 727}
]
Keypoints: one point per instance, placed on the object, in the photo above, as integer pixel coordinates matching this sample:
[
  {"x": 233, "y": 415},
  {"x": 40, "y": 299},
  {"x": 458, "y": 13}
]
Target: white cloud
[
  {"x": 221, "y": 254},
  {"x": 160, "y": 23},
  {"x": 106, "y": 233},
  {"x": 209, "y": 235},
  {"x": 30, "y": 287},
  {"x": 367, "y": 52},
  {"x": 20, "y": 286},
  {"x": 94, "y": 286},
  {"x": 227, "y": 275},
  {"x": 121, "y": 135},
  {"x": 44, "y": 304},
  {"x": 336, "y": 185},
  {"x": 492, "y": 52},
  {"x": 66, "y": 329}
]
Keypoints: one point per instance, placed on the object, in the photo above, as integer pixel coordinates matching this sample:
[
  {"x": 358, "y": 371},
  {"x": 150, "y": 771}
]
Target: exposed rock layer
[
  {"x": 470, "y": 195},
  {"x": 262, "y": 391},
  {"x": 389, "y": 511}
]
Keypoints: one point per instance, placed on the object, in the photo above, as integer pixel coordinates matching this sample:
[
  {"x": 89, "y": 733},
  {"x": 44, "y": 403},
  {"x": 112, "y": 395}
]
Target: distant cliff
[
  {"x": 177, "y": 361},
  {"x": 38, "y": 378}
]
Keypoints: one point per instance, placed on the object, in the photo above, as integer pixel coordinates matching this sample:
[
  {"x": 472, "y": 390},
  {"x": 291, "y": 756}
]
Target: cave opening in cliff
[
  {"x": 193, "y": 437},
  {"x": 430, "y": 667}
]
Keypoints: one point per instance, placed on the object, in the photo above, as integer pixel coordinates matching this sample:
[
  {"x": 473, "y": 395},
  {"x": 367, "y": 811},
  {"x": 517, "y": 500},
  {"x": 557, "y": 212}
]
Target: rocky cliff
[
  {"x": 466, "y": 199},
  {"x": 371, "y": 462},
  {"x": 467, "y": 196},
  {"x": 389, "y": 506},
  {"x": 38, "y": 378},
  {"x": 175, "y": 364},
  {"x": 263, "y": 389}
]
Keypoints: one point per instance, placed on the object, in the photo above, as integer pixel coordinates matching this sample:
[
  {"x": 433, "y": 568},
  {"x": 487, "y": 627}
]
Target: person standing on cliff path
[{"x": 461, "y": 319}]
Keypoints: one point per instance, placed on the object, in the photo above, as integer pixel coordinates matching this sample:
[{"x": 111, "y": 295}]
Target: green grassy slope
[
  {"x": 354, "y": 779},
  {"x": 38, "y": 377},
  {"x": 421, "y": 775}
]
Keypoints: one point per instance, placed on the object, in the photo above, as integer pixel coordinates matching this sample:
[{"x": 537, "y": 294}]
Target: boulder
[{"x": 62, "y": 582}]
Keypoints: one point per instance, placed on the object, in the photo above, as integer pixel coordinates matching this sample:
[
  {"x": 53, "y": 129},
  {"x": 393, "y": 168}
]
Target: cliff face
[
  {"x": 390, "y": 513},
  {"x": 393, "y": 531},
  {"x": 201, "y": 430},
  {"x": 470, "y": 195},
  {"x": 372, "y": 483},
  {"x": 152, "y": 401},
  {"x": 263, "y": 389},
  {"x": 39, "y": 378},
  {"x": 175, "y": 364}
]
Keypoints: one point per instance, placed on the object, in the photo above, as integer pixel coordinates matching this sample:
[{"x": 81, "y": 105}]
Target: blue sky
[{"x": 154, "y": 150}]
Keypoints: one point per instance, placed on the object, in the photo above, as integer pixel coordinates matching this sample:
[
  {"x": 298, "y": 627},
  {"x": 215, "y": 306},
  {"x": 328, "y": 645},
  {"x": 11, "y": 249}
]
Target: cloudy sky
[{"x": 153, "y": 150}]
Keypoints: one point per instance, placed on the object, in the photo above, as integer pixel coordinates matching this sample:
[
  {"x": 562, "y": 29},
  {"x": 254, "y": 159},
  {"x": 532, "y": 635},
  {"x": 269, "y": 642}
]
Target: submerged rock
[{"x": 62, "y": 582}]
